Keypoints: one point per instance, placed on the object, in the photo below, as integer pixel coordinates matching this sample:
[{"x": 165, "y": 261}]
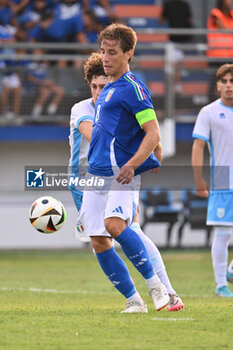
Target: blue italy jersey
[{"x": 116, "y": 134}]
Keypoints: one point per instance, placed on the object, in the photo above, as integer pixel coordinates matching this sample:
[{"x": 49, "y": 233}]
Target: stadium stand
[
  {"x": 133, "y": 2},
  {"x": 194, "y": 82},
  {"x": 141, "y": 17},
  {"x": 159, "y": 207},
  {"x": 194, "y": 214}
]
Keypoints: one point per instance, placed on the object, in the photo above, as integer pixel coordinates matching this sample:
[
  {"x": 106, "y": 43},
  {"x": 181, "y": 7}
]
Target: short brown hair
[
  {"x": 121, "y": 33},
  {"x": 93, "y": 67},
  {"x": 223, "y": 70}
]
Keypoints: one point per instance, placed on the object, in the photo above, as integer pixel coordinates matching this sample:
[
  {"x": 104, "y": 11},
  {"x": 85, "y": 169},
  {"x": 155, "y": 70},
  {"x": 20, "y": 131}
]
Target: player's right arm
[
  {"x": 148, "y": 144},
  {"x": 82, "y": 119},
  {"x": 85, "y": 127},
  {"x": 202, "y": 188}
]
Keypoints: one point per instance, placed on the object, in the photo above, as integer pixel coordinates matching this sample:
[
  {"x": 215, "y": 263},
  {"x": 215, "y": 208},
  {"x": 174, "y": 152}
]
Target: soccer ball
[{"x": 47, "y": 214}]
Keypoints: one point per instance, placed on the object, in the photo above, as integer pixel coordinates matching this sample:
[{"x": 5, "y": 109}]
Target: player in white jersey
[
  {"x": 214, "y": 125},
  {"x": 81, "y": 120}
]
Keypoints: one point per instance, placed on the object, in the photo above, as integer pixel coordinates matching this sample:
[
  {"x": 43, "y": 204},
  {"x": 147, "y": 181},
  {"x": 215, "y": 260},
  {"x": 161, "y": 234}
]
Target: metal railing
[{"x": 145, "y": 52}]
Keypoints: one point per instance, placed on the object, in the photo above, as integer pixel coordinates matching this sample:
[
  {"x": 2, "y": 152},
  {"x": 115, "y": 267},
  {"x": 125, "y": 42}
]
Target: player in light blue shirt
[
  {"x": 214, "y": 125},
  {"x": 125, "y": 134}
]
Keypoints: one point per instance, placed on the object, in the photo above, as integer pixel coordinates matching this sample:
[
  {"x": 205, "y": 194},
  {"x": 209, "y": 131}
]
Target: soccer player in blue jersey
[
  {"x": 125, "y": 133},
  {"x": 214, "y": 126},
  {"x": 82, "y": 115}
]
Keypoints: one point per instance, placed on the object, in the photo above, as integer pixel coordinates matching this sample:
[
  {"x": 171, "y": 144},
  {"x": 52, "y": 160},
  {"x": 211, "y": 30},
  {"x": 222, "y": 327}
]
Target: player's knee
[
  {"x": 101, "y": 244},
  {"x": 115, "y": 226}
]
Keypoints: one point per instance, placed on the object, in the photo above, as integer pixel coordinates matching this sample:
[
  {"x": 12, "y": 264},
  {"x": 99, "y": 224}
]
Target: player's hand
[
  {"x": 126, "y": 175},
  {"x": 155, "y": 170},
  {"x": 202, "y": 188}
]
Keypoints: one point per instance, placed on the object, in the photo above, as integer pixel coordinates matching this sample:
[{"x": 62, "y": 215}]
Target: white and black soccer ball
[{"x": 47, "y": 214}]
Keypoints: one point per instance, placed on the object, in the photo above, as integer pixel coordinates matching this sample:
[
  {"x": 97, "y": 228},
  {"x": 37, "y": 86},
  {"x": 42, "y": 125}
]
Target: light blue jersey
[
  {"x": 214, "y": 125},
  {"x": 116, "y": 134},
  {"x": 79, "y": 146}
]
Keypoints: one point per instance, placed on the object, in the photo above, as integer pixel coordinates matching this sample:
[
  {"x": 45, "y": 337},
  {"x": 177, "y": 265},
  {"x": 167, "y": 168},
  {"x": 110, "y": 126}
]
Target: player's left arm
[
  {"x": 158, "y": 155},
  {"x": 158, "y": 151},
  {"x": 147, "y": 146}
]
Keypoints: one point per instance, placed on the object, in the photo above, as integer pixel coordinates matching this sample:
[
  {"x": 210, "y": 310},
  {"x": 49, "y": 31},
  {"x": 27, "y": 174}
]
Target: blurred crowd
[
  {"x": 80, "y": 21},
  {"x": 57, "y": 21}
]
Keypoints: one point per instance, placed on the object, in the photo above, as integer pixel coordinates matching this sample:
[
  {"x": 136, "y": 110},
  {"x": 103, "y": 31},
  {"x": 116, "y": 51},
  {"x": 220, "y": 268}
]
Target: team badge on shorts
[
  {"x": 80, "y": 227},
  {"x": 220, "y": 213}
]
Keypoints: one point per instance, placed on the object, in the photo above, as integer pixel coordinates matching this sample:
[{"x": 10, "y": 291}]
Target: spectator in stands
[
  {"x": 91, "y": 25},
  {"x": 178, "y": 15},
  {"x": 39, "y": 77},
  {"x": 103, "y": 11},
  {"x": 6, "y": 13},
  {"x": 11, "y": 83},
  {"x": 67, "y": 9},
  {"x": 221, "y": 17},
  {"x": 31, "y": 17},
  {"x": 54, "y": 29},
  {"x": 18, "y": 6}
]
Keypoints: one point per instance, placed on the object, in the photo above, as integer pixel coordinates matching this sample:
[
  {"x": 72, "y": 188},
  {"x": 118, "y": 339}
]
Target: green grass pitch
[{"x": 61, "y": 300}]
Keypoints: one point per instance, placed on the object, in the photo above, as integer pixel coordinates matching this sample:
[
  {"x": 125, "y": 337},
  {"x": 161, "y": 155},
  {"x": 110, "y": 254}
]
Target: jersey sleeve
[
  {"x": 202, "y": 126},
  {"x": 136, "y": 99},
  {"x": 79, "y": 114}
]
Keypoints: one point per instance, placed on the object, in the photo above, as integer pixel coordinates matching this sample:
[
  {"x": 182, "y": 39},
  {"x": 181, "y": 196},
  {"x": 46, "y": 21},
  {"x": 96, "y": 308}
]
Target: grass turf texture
[{"x": 62, "y": 300}]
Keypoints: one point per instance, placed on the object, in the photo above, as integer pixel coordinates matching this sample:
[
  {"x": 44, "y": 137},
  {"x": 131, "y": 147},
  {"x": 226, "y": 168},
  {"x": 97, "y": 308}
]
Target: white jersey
[
  {"x": 79, "y": 146},
  {"x": 214, "y": 125}
]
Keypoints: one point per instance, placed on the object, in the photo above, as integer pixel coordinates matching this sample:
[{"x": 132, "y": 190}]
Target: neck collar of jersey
[
  {"x": 120, "y": 78},
  {"x": 222, "y": 104}
]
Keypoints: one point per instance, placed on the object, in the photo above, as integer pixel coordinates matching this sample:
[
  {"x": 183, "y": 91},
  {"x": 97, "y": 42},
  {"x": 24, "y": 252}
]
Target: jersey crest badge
[
  {"x": 109, "y": 95},
  {"x": 220, "y": 213}
]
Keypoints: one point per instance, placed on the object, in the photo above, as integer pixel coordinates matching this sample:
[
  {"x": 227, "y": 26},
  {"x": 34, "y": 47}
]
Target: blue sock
[
  {"x": 116, "y": 271},
  {"x": 136, "y": 252}
]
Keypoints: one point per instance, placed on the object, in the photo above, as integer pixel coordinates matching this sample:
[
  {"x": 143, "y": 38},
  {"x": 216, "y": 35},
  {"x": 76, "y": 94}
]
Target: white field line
[
  {"x": 173, "y": 319},
  {"x": 46, "y": 290},
  {"x": 79, "y": 291}
]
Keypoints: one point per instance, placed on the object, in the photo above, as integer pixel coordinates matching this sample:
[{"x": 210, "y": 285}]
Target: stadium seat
[
  {"x": 189, "y": 88},
  {"x": 159, "y": 207},
  {"x": 194, "y": 214},
  {"x": 140, "y": 17},
  {"x": 193, "y": 82},
  {"x": 133, "y": 2}
]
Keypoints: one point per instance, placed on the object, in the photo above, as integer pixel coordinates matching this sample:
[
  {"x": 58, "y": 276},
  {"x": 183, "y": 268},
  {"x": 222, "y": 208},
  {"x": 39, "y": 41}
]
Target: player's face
[
  {"x": 225, "y": 88},
  {"x": 97, "y": 85},
  {"x": 115, "y": 61}
]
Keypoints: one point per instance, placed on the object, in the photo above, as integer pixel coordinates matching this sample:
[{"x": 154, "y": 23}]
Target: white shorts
[
  {"x": 112, "y": 200},
  {"x": 11, "y": 81}
]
